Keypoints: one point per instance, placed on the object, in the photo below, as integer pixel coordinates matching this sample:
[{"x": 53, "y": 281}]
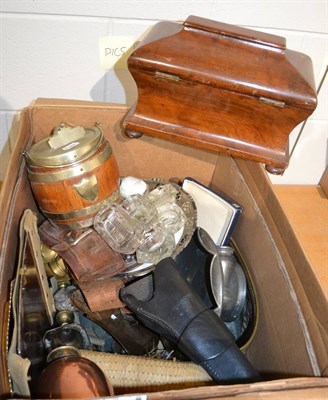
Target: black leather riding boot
[{"x": 176, "y": 312}]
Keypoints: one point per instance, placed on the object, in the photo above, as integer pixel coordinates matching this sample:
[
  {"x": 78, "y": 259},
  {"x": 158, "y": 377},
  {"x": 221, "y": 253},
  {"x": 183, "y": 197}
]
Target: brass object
[
  {"x": 57, "y": 268},
  {"x": 163, "y": 75},
  {"x": 62, "y": 351},
  {"x": 47, "y": 253},
  {"x": 88, "y": 188},
  {"x": 54, "y": 264},
  {"x": 73, "y": 171},
  {"x": 272, "y": 102},
  {"x": 64, "y": 317},
  {"x": 61, "y": 149}
]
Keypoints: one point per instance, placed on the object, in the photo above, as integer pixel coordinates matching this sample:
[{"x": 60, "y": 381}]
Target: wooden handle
[{"x": 236, "y": 32}]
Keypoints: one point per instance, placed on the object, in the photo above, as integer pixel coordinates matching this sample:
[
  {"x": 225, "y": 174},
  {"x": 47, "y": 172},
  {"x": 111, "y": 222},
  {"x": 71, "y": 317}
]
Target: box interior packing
[{"x": 289, "y": 347}]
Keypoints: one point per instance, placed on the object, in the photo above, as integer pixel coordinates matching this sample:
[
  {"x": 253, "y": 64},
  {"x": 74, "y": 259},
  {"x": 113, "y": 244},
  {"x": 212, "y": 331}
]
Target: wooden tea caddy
[{"x": 221, "y": 87}]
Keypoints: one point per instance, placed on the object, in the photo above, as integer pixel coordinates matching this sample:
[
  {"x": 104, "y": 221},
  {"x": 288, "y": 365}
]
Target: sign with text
[{"x": 115, "y": 50}]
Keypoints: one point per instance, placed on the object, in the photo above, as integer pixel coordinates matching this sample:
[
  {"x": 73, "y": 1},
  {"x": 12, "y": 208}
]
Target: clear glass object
[
  {"x": 171, "y": 218},
  {"x": 160, "y": 241},
  {"x": 121, "y": 231},
  {"x": 152, "y": 250},
  {"x": 140, "y": 208},
  {"x": 149, "y": 225},
  {"x": 152, "y": 239},
  {"x": 163, "y": 195}
]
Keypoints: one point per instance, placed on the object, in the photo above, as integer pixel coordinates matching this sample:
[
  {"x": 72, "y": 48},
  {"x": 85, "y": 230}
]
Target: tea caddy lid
[{"x": 65, "y": 146}]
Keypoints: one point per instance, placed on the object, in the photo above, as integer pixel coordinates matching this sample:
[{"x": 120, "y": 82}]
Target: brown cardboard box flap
[
  {"x": 284, "y": 389},
  {"x": 277, "y": 249}
]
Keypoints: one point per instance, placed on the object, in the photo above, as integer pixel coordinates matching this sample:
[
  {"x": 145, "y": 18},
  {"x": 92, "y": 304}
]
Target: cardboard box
[
  {"x": 306, "y": 207},
  {"x": 290, "y": 347}
]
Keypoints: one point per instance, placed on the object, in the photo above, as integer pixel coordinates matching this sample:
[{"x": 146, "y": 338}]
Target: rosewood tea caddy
[{"x": 221, "y": 87}]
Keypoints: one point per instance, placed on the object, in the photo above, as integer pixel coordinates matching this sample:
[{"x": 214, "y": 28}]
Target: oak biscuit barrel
[{"x": 73, "y": 173}]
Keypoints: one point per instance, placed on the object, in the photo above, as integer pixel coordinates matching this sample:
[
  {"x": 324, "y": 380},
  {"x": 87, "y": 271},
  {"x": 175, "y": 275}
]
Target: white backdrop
[{"x": 50, "y": 49}]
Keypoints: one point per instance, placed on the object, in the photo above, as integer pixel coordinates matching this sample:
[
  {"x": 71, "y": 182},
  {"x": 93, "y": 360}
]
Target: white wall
[{"x": 50, "y": 49}]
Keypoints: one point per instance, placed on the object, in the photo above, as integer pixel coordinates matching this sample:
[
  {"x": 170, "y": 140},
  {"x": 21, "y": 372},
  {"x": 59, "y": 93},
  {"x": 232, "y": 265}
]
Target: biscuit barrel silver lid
[{"x": 65, "y": 146}]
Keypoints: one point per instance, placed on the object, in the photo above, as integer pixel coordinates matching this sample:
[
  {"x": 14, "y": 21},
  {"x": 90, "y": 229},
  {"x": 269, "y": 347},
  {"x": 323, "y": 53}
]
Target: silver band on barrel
[{"x": 73, "y": 171}]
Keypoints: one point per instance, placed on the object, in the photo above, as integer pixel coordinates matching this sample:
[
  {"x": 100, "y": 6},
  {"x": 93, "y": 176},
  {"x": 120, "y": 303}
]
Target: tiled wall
[{"x": 50, "y": 49}]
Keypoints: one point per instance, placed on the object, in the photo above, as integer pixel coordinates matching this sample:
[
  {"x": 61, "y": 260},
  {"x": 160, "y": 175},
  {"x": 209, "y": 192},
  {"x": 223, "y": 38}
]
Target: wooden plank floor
[{"x": 307, "y": 209}]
